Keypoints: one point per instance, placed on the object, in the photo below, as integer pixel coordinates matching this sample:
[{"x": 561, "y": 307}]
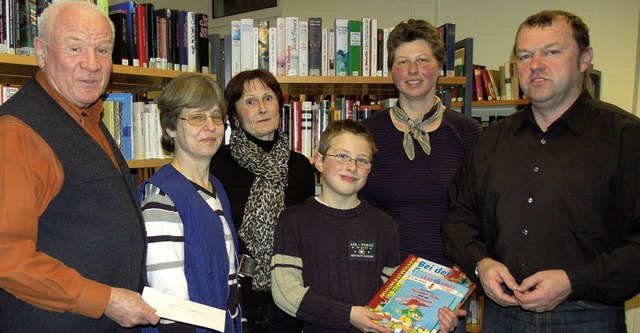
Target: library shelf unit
[
  {"x": 480, "y": 104},
  {"x": 18, "y": 69},
  {"x": 352, "y": 85}
]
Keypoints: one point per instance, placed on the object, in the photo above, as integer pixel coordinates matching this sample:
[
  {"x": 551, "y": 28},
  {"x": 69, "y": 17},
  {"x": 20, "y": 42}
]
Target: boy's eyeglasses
[
  {"x": 345, "y": 159},
  {"x": 200, "y": 119}
]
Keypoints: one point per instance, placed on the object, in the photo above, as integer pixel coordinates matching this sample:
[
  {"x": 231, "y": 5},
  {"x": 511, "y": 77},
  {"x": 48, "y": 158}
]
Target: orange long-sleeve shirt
[{"x": 30, "y": 177}]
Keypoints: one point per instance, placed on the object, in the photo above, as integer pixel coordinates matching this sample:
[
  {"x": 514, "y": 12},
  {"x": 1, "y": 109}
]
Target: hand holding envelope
[{"x": 173, "y": 308}]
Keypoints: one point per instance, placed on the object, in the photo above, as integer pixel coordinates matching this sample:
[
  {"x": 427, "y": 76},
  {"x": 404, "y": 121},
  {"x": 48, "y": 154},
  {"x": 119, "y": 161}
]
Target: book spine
[
  {"x": 202, "y": 43},
  {"x": 342, "y": 47},
  {"x": 170, "y": 32},
  {"x": 281, "y": 46},
  {"x": 152, "y": 43},
  {"x": 273, "y": 51},
  {"x": 177, "y": 39},
  {"x": 10, "y": 25},
  {"x": 355, "y": 48},
  {"x": 28, "y": 26},
  {"x": 235, "y": 47},
  {"x": 366, "y": 47},
  {"x": 350, "y": 109},
  {"x": 183, "y": 41},
  {"x": 324, "y": 55},
  {"x": 255, "y": 55},
  {"x": 486, "y": 83},
  {"x": 306, "y": 128},
  {"x": 381, "y": 51},
  {"x": 138, "y": 130},
  {"x": 192, "y": 51},
  {"x": 149, "y": 132},
  {"x": 478, "y": 85},
  {"x": 385, "y": 54},
  {"x": 448, "y": 34},
  {"x": 331, "y": 53},
  {"x": 503, "y": 85},
  {"x": 315, "y": 46},
  {"x": 291, "y": 42},
  {"x": 216, "y": 53},
  {"x": 494, "y": 76},
  {"x": 316, "y": 130},
  {"x": 296, "y": 129},
  {"x": 121, "y": 46},
  {"x": 125, "y": 118},
  {"x": 263, "y": 44},
  {"x": 141, "y": 23},
  {"x": 303, "y": 48},
  {"x": 108, "y": 117},
  {"x": 161, "y": 39},
  {"x": 285, "y": 123},
  {"x": 374, "y": 47}
]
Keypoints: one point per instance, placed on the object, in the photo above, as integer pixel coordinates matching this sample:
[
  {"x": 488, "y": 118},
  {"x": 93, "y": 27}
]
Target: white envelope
[{"x": 173, "y": 308}]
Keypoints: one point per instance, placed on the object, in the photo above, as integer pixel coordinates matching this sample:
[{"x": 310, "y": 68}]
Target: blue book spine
[
  {"x": 448, "y": 34},
  {"x": 126, "y": 100}
]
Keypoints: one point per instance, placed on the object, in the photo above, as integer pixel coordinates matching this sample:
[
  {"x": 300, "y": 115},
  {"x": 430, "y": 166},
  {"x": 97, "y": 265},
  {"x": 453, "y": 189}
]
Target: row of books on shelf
[
  {"x": 19, "y": 26},
  {"x": 134, "y": 125},
  {"x": 495, "y": 84},
  {"x": 304, "y": 119},
  {"x": 160, "y": 38},
  {"x": 296, "y": 47}
]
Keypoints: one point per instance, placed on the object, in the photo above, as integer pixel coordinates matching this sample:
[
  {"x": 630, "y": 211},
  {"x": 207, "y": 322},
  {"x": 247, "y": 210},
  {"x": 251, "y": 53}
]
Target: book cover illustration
[{"x": 410, "y": 299}]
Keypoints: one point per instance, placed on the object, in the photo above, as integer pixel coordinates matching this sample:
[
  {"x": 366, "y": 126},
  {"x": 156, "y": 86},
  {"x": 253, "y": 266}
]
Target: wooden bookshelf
[
  {"x": 153, "y": 163},
  {"x": 17, "y": 69},
  {"x": 474, "y": 104},
  {"x": 351, "y": 85}
]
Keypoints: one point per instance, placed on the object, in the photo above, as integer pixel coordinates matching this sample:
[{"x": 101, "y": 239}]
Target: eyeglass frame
[
  {"x": 345, "y": 159},
  {"x": 192, "y": 117}
]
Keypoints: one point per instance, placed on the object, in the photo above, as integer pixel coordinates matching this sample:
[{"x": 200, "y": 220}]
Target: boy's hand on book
[
  {"x": 497, "y": 282},
  {"x": 449, "y": 319},
  {"x": 363, "y": 320}
]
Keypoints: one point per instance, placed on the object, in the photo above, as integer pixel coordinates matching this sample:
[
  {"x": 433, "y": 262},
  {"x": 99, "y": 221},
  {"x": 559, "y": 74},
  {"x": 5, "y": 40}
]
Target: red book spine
[
  {"x": 297, "y": 126},
  {"x": 142, "y": 35}
]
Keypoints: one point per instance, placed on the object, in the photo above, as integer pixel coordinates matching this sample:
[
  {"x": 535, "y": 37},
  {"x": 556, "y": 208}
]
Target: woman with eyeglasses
[
  {"x": 262, "y": 176},
  {"x": 192, "y": 242},
  {"x": 420, "y": 142}
]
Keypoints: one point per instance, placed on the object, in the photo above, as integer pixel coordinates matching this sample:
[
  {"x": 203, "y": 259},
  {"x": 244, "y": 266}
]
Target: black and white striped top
[{"x": 165, "y": 253}]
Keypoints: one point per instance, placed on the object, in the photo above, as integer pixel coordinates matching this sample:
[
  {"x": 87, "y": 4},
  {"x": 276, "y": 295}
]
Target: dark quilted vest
[{"x": 93, "y": 225}]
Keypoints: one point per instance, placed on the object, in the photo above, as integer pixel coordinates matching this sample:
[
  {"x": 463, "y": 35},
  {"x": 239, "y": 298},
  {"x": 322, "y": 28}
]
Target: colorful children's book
[{"x": 410, "y": 299}]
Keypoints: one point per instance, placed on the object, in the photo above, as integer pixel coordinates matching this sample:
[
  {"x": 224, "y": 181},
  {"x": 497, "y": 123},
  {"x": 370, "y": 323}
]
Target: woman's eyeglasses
[{"x": 200, "y": 119}]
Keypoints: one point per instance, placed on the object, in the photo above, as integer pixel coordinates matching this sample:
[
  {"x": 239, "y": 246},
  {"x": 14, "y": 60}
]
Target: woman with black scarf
[{"x": 262, "y": 176}]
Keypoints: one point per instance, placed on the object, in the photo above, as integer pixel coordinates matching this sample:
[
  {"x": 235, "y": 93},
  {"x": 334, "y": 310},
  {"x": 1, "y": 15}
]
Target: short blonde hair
[{"x": 336, "y": 128}]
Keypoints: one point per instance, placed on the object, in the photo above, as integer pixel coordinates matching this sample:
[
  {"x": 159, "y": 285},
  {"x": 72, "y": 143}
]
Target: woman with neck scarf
[
  {"x": 421, "y": 143},
  {"x": 262, "y": 176}
]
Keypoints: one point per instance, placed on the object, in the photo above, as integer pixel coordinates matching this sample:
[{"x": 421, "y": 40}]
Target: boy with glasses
[{"x": 333, "y": 252}]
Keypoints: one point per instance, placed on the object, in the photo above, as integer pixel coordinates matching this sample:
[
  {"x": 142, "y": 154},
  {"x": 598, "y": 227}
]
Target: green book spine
[{"x": 355, "y": 47}]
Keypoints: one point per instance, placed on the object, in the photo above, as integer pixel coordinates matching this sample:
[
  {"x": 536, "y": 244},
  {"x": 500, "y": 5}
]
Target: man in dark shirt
[{"x": 546, "y": 208}]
